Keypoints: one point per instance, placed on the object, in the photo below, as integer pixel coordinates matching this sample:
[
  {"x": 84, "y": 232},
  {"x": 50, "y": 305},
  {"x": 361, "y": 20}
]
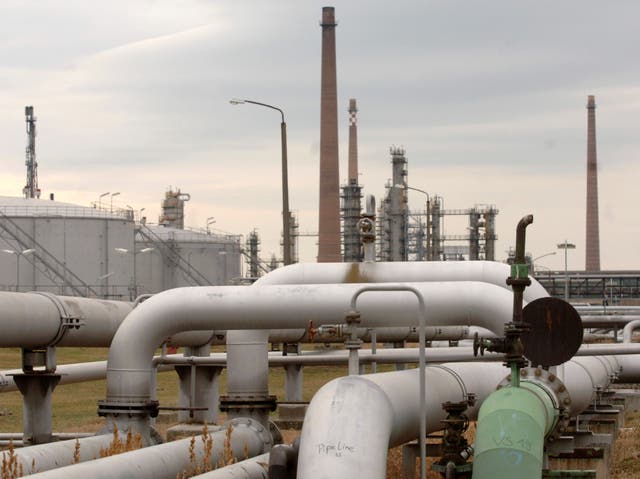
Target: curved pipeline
[
  {"x": 627, "y": 332},
  {"x": 352, "y": 421},
  {"x": 392, "y": 272},
  {"x": 230, "y": 307},
  {"x": 32, "y": 320}
]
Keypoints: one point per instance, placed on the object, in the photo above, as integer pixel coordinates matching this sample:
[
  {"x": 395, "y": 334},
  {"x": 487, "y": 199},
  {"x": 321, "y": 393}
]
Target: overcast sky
[{"x": 487, "y": 98}]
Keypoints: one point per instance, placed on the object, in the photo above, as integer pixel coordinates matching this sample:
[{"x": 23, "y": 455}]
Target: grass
[{"x": 75, "y": 406}]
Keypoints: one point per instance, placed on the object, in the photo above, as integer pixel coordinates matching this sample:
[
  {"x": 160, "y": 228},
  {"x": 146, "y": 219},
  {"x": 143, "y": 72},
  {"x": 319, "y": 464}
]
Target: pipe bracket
[{"x": 67, "y": 321}]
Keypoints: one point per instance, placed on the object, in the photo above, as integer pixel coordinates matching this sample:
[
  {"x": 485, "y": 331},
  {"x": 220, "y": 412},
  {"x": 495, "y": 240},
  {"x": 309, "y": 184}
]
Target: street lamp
[
  {"x": 224, "y": 261},
  {"x": 533, "y": 260},
  {"x": 112, "y": 195},
  {"x": 18, "y": 254},
  {"x": 210, "y": 220},
  {"x": 286, "y": 215},
  {"x": 429, "y": 249},
  {"x": 100, "y": 199},
  {"x": 566, "y": 246}
]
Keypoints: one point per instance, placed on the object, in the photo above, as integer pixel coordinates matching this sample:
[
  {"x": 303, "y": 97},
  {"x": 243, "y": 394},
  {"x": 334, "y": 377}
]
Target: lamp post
[
  {"x": 566, "y": 246},
  {"x": 18, "y": 254},
  {"x": 286, "y": 215},
  {"x": 429, "y": 252},
  {"x": 100, "y": 199},
  {"x": 112, "y": 195},
  {"x": 210, "y": 220},
  {"x": 533, "y": 260},
  {"x": 223, "y": 254}
]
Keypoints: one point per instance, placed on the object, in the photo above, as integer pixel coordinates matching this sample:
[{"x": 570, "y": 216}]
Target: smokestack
[
  {"x": 353, "y": 143},
  {"x": 592, "y": 262},
  {"x": 329, "y": 214}
]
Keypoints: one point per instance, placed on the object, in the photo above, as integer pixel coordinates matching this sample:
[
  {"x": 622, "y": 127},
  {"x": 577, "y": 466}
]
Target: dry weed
[
  {"x": 11, "y": 466},
  {"x": 117, "y": 446}
]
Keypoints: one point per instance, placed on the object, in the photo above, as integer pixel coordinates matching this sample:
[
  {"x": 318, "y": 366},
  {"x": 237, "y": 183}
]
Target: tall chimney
[
  {"x": 592, "y": 262},
  {"x": 329, "y": 214},
  {"x": 353, "y": 142}
]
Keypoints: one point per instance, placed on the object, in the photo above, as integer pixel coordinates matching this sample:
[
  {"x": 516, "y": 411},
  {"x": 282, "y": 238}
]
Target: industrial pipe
[
  {"x": 80, "y": 372},
  {"x": 512, "y": 425},
  {"x": 393, "y": 272},
  {"x": 352, "y": 421},
  {"x": 38, "y": 319},
  {"x": 627, "y": 332},
  {"x": 252, "y": 468},
  {"x": 231, "y": 307},
  {"x": 44, "y": 457},
  {"x": 172, "y": 459}
]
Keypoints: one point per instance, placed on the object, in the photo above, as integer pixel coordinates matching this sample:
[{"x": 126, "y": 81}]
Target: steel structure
[
  {"x": 173, "y": 209},
  {"x": 31, "y": 189}
]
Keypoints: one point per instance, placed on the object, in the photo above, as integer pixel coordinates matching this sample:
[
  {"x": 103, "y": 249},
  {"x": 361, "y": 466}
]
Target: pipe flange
[
  {"x": 258, "y": 402},
  {"x": 246, "y": 422},
  {"x": 147, "y": 409},
  {"x": 67, "y": 321},
  {"x": 556, "y": 390}
]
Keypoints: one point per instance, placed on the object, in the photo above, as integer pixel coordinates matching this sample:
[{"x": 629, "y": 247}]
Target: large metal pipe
[
  {"x": 170, "y": 460},
  {"x": 75, "y": 373},
  {"x": 44, "y": 457},
  {"x": 392, "y": 272},
  {"x": 32, "y": 320},
  {"x": 230, "y": 307},
  {"x": 627, "y": 332},
  {"x": 512, "y": 425},
  {"x": 352, "y": 421},
  {"x": 252, "y": 468}
]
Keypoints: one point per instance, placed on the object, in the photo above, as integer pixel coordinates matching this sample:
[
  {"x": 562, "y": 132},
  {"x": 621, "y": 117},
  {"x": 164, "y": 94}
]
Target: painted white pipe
[
  {"x": 71, "y": 374},
  {"x": 96, "y": 370},
  {"x": 393, "y": 272},
  {"x": 167, "y": 460},
  {"x": 44, "y": 457},
  {"x": 288, "y": 306},
  {"x": 253, "y": 468},
  {"x": 352, "y": 421},
  {"x": 627, "y": 332},
  {"x": 31, "y": 320}
]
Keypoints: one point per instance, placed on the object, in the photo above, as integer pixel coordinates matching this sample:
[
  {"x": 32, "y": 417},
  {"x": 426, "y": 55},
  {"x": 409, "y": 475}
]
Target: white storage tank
[
  {"x": 65, "y": 248},
  {"x": 169, "y": 257}
]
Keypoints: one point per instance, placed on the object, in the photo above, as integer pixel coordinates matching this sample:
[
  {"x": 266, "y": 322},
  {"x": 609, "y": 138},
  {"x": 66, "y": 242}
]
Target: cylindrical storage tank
[
  {"x": 205, "y": 259},
  {"x": 65, "y": 249}
]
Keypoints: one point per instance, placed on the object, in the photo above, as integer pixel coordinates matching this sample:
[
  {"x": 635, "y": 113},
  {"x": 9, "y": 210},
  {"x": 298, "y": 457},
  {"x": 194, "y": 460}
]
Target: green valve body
[{"x": 512, "y": 425}]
